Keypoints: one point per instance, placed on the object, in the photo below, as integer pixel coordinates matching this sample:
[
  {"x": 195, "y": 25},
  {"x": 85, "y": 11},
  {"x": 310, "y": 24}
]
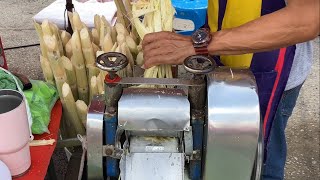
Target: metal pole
[{"x": 69, "y": 7}]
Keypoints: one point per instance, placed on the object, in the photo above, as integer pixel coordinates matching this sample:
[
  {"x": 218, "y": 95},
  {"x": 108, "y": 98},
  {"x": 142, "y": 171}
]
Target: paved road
[{"x": 16, "y": 29}]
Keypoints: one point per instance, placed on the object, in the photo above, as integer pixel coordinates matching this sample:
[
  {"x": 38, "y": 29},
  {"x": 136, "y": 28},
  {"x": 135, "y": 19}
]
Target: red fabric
[
  {"x": 41, "y": 155},
  {"x": 278, "y": 68}
]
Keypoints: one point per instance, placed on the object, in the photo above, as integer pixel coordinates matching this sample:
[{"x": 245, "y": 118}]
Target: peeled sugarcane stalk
[
  {"x": 56, "y": 32},
  {"x": 84, "y": 94},
  {"x": 92, "y": 70},
  {"x": 141, "y": 29},
  {"x": 133, "y": 32},
  {"x": 82, "y": 110},
  {"x": 103, "y": 32},
  {"x": 129, "y": 70},
  {"x": 43, "y": 142},
  {"x": 121, "y": 39},
  {"x": 125, "y": 50},
  {"x": 40, "y": 34},
  {"x": 107, "y": 43},
  {"x": 95, "y": 48},
  {"x": 78, "y": 62},
  {"x": 139, "y": 59},
  {"x": 131, "y": 45},
  {"x": 128, "y": 6},
  {"x": 68, "y": 49},
  {"x": 121, "y": 13},
  {"x": 134, "y": 35},
  {"x": 97, "y": 23},
  {"x": 157, "y": 20},
  {"x": 46, "y": 69},
  {"x": 71, "y": 109},
  {"x": 87, "y": 49},
  {"x": 95, "y": 35},
  {"x": 82, "y": 81},
  {"x": 46, "y": 28},
  {"x": 77, "y": 23},
  {"x": 59, "y": 73},
  {"x": 52, "y": 47},
  {"x": 99, "y": 53},
  {"x": 114, "y": 47},
  {"x": 120, "y": 28},
  {"x": 157, "y": 16},
  {"x": 106, "y": 23},
  {"x": 122, "y": 73},
  {"x": 168, "y": 71},
  {"x": 93, "y": 87},
  {"x": 77, "y": 50},
  {"x": 160, "y": 72},
  {"x": 65, "y": 37},
  {"x": 55, "y": 62},
  {"x": 71, "y": 75},
  {"x": 100, "y": 83},
  {"x": 84, "y": 26},
  {"x": 114, "y": 34},
  {"x": 163, "y": 71}
]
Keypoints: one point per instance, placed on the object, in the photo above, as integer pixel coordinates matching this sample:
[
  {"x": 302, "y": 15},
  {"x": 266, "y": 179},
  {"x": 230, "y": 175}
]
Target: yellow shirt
[{"x": 237, "y": 12}]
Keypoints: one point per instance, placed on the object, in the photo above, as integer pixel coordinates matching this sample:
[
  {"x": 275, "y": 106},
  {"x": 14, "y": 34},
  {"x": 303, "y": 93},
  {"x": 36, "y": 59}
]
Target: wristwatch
[{"x": 201, "y": 39}]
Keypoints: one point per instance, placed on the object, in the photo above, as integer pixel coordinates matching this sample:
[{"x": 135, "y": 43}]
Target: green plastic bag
[{"x": 41, "y": 98}]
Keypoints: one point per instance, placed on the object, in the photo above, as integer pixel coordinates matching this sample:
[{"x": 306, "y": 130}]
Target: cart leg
[{"x": 51, "y": 173}]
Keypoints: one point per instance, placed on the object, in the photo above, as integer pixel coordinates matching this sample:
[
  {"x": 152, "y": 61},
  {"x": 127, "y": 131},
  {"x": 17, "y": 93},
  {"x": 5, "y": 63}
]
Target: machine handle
[
  {"x": 199, "y": 64},
  {"x": 112, "y": 62}
]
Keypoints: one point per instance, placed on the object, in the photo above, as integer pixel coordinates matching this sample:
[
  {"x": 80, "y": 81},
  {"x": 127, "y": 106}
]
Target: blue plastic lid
[
  {"x": 194, "y": 10},
  {"x": 190, "y": 4}
]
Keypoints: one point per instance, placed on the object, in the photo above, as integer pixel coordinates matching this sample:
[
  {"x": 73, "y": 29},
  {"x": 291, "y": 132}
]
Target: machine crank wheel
[
  {"x": 112, "y": 61},
  {"x": 199, "y": 64}
]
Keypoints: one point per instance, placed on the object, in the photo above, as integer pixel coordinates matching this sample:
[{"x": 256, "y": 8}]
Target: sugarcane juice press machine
[{"x": 205, "y": 127}]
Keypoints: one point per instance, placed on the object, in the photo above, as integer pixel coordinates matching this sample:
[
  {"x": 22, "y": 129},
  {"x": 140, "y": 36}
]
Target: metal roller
[{"x": 233, "y": 125}]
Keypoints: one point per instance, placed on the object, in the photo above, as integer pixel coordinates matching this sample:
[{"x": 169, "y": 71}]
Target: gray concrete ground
[{"x": 16, "y": 29}]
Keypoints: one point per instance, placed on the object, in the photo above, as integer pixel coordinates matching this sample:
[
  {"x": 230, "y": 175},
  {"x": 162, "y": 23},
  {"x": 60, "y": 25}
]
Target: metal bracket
[
  {"x": 111, "y": 151},
  {"x": 188, "y": 142},
  {"x": 196, "y": 155},
  {"x": 160, "y": 81}
]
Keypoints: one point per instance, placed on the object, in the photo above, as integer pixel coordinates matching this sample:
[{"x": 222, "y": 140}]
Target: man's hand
[{"x": 166, "y": 48}]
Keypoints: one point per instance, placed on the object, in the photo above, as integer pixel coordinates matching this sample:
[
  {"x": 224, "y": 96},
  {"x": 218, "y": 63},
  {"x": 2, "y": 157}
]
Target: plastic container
[
  {"x": 14, "y": 132},
  {"x": 4, "y": 172}
]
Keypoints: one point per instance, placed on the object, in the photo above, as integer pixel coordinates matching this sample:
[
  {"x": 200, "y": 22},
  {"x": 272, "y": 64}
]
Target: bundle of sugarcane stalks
[{"x": 68, "y": 60}]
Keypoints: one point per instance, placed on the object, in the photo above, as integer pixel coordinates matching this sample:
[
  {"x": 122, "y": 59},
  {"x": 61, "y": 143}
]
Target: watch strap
[{"x": 201, "y": 50}]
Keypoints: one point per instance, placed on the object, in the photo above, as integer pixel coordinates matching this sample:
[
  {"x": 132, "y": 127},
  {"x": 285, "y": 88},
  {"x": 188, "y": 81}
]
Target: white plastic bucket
[{"x": 14, "y": 132}]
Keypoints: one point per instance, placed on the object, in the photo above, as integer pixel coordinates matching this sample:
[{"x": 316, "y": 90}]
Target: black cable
[{"x": 18, "y": 47}]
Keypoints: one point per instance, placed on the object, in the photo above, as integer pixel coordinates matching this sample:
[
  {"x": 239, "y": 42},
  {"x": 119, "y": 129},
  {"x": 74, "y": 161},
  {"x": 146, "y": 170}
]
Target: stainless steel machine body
[
  {"x": 173, "y": 134},
  {"x": 233, "y": 125},
  {"x": 154, "y": 110}
]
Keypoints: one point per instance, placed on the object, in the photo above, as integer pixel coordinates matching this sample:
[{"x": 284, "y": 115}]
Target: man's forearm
[{"x": 296, "y": 23}]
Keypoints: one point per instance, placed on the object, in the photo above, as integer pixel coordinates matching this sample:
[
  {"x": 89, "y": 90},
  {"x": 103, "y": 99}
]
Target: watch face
[{"x": 200, "y": 36}]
